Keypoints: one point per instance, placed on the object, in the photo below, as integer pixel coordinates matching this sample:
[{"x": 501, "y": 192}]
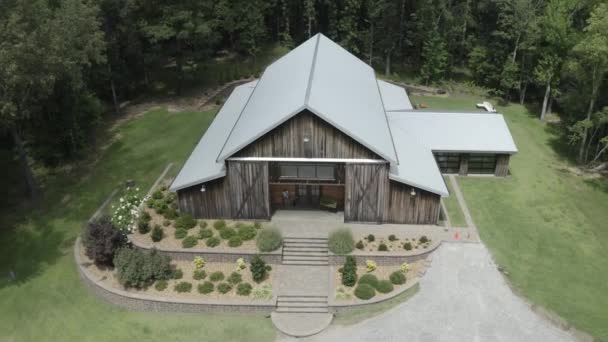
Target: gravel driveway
[{"x": 462, "y": 298}]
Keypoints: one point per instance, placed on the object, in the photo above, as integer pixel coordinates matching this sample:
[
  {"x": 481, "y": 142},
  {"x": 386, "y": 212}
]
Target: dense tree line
[{"x": 64, "y": 64}]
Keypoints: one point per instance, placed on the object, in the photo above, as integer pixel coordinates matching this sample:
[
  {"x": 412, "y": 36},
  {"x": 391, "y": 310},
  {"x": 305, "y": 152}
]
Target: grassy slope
[
  {"x": 546, "y": 226},
  {"x": 453, "y": 207},
  {"x": 49, "y": 302}
]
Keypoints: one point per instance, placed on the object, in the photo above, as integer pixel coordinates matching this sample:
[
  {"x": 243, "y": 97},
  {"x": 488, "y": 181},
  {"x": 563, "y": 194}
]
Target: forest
[{"x": 67, "y": 65}]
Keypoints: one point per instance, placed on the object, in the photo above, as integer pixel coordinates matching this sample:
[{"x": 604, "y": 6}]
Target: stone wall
[{"x": 384, "y": 258}]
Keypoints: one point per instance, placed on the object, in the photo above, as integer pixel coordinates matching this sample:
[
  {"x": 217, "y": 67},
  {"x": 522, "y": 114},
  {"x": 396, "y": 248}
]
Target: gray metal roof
[
  {"x": 202, "y": 166},
  {"x": 456, "y": 131},
  {"x": 394, "y": 97}
]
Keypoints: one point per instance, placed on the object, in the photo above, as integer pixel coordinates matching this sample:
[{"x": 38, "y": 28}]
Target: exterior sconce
[
  {"x": 413, "y": 192},
  {"x": 306, "y": 139},
  {"x": 203, "y": 188}
]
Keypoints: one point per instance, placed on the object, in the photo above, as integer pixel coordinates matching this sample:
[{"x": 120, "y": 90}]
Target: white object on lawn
[{"x": 487, "y": 106}]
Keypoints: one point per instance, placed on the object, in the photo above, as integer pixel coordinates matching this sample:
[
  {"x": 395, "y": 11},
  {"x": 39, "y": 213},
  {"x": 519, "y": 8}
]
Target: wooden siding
[
  {"x": 325, "y": 141},
  {"x": 366, "y": 192},
  {"x": 249, "y": 190},
  {"x": 502, "y": 165},
  {"x": 404, "y": 208},
  {"x": 213, "y": 203}
]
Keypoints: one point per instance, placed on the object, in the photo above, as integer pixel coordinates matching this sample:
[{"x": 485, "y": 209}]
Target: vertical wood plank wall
[
  {"x": 502, "y": 165},
  {"x": 249, "y": 190},
  {"x": 366, "y": 192},
  {"x": 213, "y": 203},
  {"x": 404, "y": 208}
]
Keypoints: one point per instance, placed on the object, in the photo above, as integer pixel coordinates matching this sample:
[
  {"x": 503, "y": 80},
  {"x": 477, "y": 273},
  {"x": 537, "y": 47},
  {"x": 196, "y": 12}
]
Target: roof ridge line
[
  {"x": 390, "y": 131},
  {"x": 312, "y": 71}
]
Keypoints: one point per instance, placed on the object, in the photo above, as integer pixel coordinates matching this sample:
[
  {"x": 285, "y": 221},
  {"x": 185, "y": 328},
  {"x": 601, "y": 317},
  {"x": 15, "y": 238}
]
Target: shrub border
[{"x": 385, "y": 258}]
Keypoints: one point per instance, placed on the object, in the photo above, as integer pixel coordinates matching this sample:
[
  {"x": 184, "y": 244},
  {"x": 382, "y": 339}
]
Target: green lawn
[
  {"x": 49, "y": 302},
  {"x": 453, "y": 207},
  {"x": 545, "y": 226}
]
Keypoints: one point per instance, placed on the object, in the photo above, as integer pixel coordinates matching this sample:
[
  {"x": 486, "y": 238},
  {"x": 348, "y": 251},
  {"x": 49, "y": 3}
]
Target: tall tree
[{"x": 434, "y": 56}]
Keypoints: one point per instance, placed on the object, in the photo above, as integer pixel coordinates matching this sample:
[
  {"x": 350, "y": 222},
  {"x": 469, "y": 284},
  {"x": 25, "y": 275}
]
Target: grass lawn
[
  {"x": 49, "y": 302},
  {"x": 453, "y": 207},
  {"x": 546, "y": 226}
]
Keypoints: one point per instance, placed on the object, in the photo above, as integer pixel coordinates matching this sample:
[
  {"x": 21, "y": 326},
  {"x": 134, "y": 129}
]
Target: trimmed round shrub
[
  {"x": 216, "y": 276},
  {"x": 212, "y": 242},
  {"x": 269, "y": 239},
  {"x": 246, "y": 233},
  {"x": 227, "y": 233},
  {"x": 341, "y": 241},
  {"x": 205, "y": 233},
  {"x": 102, "y": 240},
  {"x": 223, "y": 288},
  {"x": 369, "y": 279},
  {"x": 382, "y": 247},
  {"x": 235, "y": 241},
  {"x": 365, "y": 291},
  {"x": 258, "y": 269},
  {"x": 360, "y": 245},
  {"x": 157, "y": 233},
  {"x": 166, "y": 223},
  {"x": 397, "y": 278},
  {"x": 392, "y": 237},
  {"x": 177, "y": 274},
  {"x": 423, "y": 239},
  {"x": 206, "y": 287},
  {"x": 190, "y": 241},
  {"x": 183, "y": 286},
  {"x": 407, "y": 246},
  {"x": 143, "y": 227},
  {"x": 384, "y": 286},
  {"x": 180, "y": 233},
  {"x": 235, "y": 278},
  {"x": 199, "y": 275},
  {"x": 161, "y": 285},
  {"x": 371, "y": 238},
  {"x": 243, "y": 289},
  {"x": 219, "y": 224},
  {"x": 349, "y": 271},
  {"x": 185, "y": 221}
]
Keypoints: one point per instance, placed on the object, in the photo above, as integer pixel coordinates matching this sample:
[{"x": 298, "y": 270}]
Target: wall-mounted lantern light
[
  {"x": 306, "y": 139},
  {"x": 413, "y": 192},
  {"x": 203, "y": 188}
]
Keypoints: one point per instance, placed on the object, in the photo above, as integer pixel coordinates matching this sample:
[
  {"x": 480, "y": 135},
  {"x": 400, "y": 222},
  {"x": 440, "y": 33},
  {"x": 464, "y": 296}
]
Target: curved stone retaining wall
[
  {"x": 338, "y": 307},
  {"x": 384, "y": 258},
  {"x": 141, "y": 302}
]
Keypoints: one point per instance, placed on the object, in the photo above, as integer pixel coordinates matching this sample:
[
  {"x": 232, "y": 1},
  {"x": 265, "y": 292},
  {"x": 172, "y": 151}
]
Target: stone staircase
[
  {"x": 305, "y": 251},
  {"x": 302, "y": 304}
]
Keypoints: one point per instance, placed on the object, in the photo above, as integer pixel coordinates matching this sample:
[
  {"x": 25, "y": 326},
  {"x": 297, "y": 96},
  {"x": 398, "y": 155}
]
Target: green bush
[
  {"x": 157, "y": 233},
  {"x": 161, "y": 285},
  {"x": 219, "y": 224},
  {"x": 102, "y": 240},
  {"x": 407, "y": 246},
  {"x": 199, "y": 275},
  {"x": 170, "y": 213},
  {"x": 364, "y": 291},
  {"x": 423, "y": 239},
  {"x": 205, "y": 233},
  {"x": 397, "y": 278},
  {"x": 341, "y": 241},
  {"x": 185, "y": 221},
  {"x": 258, "y": 269},
  {"x": 360, "y": 245},
  {"x": 382, "y": 247},
  {"x": 212, "y": 242},
  {"x": 384, "y": 286},
  {"x": 235, "y": 241},
  {"x": 369, "y": 279},
  {"x": 235, "y": 278},
  {"x": 139, "y": 269},
  {"x": 145, "y": 216},
  {"x": 166, "y": 223},
  {"x": 190, "y": 241},
  {"x": 392, "y": 237},
  {"x": 160, "y": 208},
  {"x": 257, "y": 225},
  {"x": 269, "y": 239},
  {"x": 157, "y": 195},
  {"x": 371, "y": 238},
  {"x": 180, "y": 233},
  {"x": 202, "y": 223},
  {"x": 246, "y": 233},
  {"x": 223, "y": 288},
  {"x": 206, "y": 287},
  {"x": 243, "y": 289},
  {"x": 349, "y": 271},
  {"x": 227, "y": 233},
  {"x": 183, "y": 286},
  {"x": 216, "y": 276},
  {"x": 177, "y": 274}
]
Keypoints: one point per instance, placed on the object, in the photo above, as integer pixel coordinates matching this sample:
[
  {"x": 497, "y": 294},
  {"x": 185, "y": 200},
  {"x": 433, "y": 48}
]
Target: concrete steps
[
  {"x": 305, "y": 251},
  {"x": 302, "y": 304}
]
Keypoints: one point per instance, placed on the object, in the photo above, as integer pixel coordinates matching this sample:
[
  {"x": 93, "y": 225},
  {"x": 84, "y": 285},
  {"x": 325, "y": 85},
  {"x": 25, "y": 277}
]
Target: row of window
[
  {"x": 478, "y": 163},
  {"x": 307, "y": 171}
]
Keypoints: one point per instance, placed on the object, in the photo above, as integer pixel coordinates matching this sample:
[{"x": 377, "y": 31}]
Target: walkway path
[
  {"x": 471, "y": 230},
  {"x": 462, "y": 297}
]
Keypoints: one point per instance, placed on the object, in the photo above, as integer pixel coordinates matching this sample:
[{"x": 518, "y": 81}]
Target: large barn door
[
  {"x": 249, "y": 190},
  {"x": 366, "y": 192}
]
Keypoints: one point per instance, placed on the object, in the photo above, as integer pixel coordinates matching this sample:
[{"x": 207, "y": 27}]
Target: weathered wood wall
[
  {"x": 366, "y": 192},
  {"x": 404, "y": 208},
  {"x": 325, "y": 141},
  {"x": 213, "y": 203},
  {"x": 502, "y": 165},
  {"x": 249, "y": 190}
]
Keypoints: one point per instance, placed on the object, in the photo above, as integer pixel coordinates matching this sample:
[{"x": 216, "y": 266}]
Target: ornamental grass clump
[
  {"x": 269, "y": 239},
  {"x": 185, "y": 221},
  {"x": 235, "y": 241},
  {"x": 205, "y": 233},
  {"x": 219, "y": 224},
  {"x": 235, "y": 278},
  {"x": 102, "y": 240},
  {"x": 223, "y": 288},
  {"x": 341, "y": 241},
  {"x": 206, "y": 287},
  {"x": 190, "y": 241},
  {"x": 212, "y": 242},
  {"x": 183, "y": 286},
  {"x": 180, "y": 233},
  {"x": 161, "y": 285},
  {"x": 263, "y": 292},
  {"x": 177, "y": 274},
  {"x": 216, "y": 276},
  {"x": 246, "y": 233},
  {"x": 243, "y": 289},
  {"x": 199, "y": 275}
]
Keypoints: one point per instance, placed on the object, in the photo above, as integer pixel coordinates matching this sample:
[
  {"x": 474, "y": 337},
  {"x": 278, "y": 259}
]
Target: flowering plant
[
  {"x": 405, "y": 267},
  {"x": 371, "y": 265},
  {"x": 126, "y": 213},
  {"x": 198, "y": 262}
]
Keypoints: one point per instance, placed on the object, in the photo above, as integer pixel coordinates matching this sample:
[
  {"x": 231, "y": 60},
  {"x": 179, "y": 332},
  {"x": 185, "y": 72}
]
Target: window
[
  {"x": 482, "y": 163},
  {"x": 307, "y": 171},
  {"x": 448, "y": 162},
  {"x": 289, "y": 171}
]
